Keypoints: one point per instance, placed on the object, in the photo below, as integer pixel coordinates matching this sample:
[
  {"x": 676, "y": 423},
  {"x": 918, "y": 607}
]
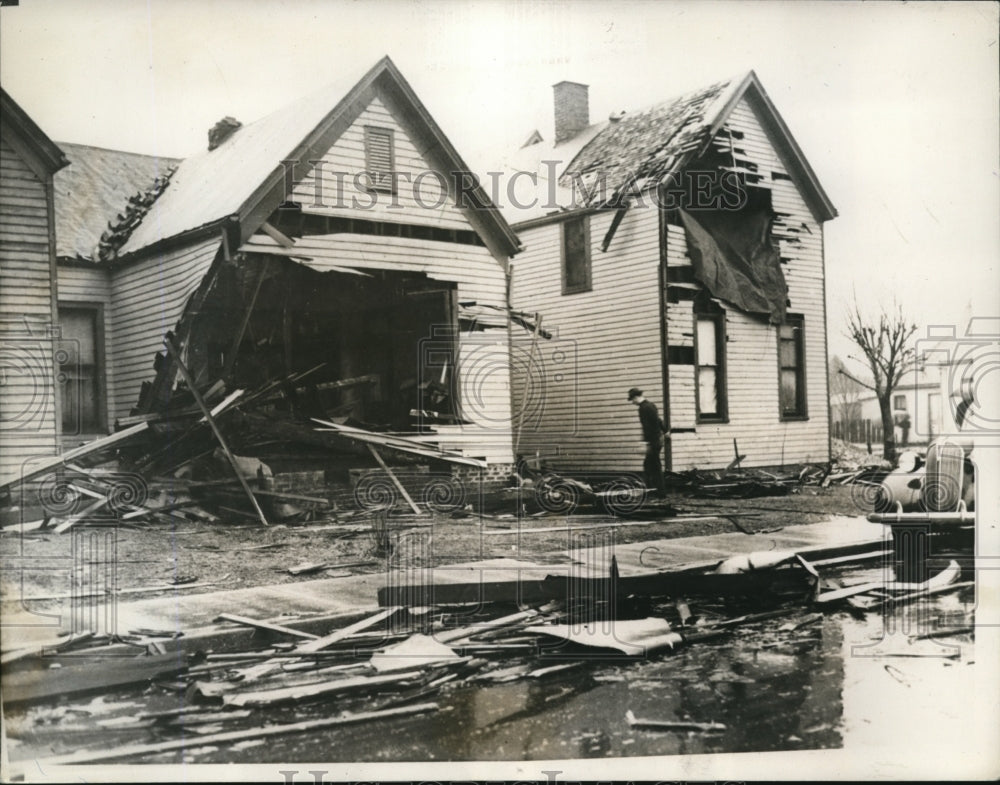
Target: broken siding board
[
  {"x": 606, "y": 340},
  {"x": 751, "y": 349},
  {"x": 148, "y": 298},
  {"x": 27, "y": 397},
  {"x": 421, "y": 202}
]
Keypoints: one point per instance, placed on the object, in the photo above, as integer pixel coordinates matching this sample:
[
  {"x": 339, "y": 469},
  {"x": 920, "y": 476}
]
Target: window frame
[
  {"x": 584, "y": 222},
  {"x": 895, "y": 402},
  {"x": 387, "y": 184},
  {"x": 801, "y": 412},
  {"x": 96, "y": 310},
  {"x": 710, "y": 312}
]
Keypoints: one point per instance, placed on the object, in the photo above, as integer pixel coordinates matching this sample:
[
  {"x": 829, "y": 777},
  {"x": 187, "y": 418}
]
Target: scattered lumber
[{"x": 315, "y": 645}]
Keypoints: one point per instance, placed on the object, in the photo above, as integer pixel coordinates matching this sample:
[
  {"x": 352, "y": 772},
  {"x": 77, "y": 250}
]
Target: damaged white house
[
  {"x": 338, "y": 244},
  {"x": 678, "y": 249}
]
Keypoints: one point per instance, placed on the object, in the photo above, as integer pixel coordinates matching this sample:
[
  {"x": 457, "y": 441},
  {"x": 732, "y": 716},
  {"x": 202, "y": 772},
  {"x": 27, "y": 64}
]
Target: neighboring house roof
[
  {"x": 643, "y": 147},
  {"x": 93, "y": 193},
  {"x": 927, "y": 377},
  {"x": 244, "y": 176},
  {"x": 47, "y": 151}
]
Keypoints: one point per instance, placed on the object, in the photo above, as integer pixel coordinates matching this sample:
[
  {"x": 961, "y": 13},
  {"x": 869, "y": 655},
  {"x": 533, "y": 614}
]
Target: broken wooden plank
[
  {"x": 32, "y": 686},
  {"x": 75, "y": 519},
  {"x": 396, "y": 442},
  {"x": 537, "y": 674},
  {"x": 257, "y": 671},
  {"x": 187, "y": 743},
  {"x": 210, "y": 419},
  {"x": 395, "y": 480},
  {"x": 263, "y": 625},
  {"x": 682, "y": 725},
  {"x": 55, "y": 462},
  {"x": 305, "y": 691},
  {"x": 457, "y": 635},
  {"x": 307, "y": 567}
]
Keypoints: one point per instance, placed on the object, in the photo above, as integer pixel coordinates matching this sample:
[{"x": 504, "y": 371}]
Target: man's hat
[{"x": 635, "y": 392}]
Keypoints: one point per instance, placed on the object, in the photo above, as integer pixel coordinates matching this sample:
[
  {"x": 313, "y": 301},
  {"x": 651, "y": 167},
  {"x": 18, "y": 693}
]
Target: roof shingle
[{"x": 94, "y": 190}]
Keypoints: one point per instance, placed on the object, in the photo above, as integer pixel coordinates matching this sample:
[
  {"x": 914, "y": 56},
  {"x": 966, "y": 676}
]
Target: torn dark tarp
[{"x": 733, "y": 256}]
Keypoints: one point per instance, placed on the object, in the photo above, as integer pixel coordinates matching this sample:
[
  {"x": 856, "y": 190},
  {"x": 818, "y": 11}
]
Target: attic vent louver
[{"x": 221, "y": 131}]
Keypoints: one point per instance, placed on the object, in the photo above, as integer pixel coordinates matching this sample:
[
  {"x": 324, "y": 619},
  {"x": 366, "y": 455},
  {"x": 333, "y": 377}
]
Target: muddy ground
[{"x": 240, "y": 554}]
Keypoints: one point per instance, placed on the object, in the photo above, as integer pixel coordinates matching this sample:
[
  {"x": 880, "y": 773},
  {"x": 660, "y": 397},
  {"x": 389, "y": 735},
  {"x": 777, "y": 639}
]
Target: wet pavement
[{"x": 797, "y": 682}]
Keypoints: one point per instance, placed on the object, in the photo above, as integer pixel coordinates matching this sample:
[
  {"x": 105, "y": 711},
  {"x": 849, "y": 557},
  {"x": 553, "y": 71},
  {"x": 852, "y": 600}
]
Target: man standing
[{"x": 652, "y": 434}]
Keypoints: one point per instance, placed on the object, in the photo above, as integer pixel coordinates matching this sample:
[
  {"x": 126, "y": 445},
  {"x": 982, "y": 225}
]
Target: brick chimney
[
  {"x": 572, "y": 109},
  {"x": 221, "y": 131}
]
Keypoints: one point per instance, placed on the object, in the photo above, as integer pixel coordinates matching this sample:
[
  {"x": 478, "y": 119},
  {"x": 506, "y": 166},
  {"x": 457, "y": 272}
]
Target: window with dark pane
[
  {"x": 78, "y": 355},
  {"x": 379, "y": 158},
  {"x": 791, "y": 359},
  {"x": 576, "y": 255}
]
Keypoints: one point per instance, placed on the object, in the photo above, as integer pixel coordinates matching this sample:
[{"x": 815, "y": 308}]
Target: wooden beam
[
  {"x": 56, "y": 461},
  {"x": 263, "y": 625},
  {"x": 403, "y": 444},
  {"x": 172, "y": 351},
  {"x": 395, "y": 480},
  {"x": 31, "y": 686},
  {"x": 75, "y": 519},
  {"x": 527, "y": 383},
  {"x": 241, "y": 330},
  {"x": 141, "y": 751}
]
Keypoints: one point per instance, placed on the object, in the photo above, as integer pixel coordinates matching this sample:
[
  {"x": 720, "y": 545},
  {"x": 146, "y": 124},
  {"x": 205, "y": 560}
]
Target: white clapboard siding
[
  {"x": 92, "y": 285},
  {"x": 573, "y": 395},
  {"x": 331, "y": 188},
  {"x": 28, "y": 427},
  {"x": 147, "y": 299},
  {"x": 484, "y": 376},
  {"x": 751, "y": 347}
]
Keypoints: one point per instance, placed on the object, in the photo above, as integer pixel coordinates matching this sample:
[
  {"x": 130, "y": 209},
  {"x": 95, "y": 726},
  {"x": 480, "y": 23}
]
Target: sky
[{"x": 895, "y": 105}]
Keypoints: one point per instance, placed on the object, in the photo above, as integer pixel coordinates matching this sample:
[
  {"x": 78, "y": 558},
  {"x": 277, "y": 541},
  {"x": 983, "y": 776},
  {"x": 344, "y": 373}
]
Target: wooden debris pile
[
  {"x": 742, "y": 483},
  {"x": 406, "y": 660},
  {"x": 212, "y": 456}
]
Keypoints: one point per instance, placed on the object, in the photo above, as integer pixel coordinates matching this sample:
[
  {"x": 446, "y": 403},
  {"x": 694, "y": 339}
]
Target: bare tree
[
  {"x": 845, "y": 393},
  {"x": 886, "y": 350}
]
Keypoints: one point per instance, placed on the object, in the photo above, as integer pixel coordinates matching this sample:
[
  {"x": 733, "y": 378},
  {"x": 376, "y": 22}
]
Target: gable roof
[
  {"x": 45, "y": 150},
  {"x": 244, "y": 177},
  {"x": 93, "y": 192},
  {"x": 645, "y": 146}
]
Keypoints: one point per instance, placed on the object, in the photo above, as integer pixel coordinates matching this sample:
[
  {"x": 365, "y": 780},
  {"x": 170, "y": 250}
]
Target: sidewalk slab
[{"x": 359, "y": 593}]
